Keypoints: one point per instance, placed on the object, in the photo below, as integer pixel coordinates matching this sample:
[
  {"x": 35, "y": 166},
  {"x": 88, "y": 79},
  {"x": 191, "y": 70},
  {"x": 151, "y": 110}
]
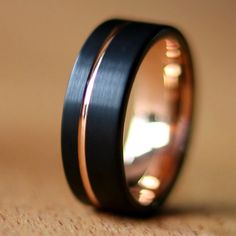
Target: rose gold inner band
[{"x": 158, "y": 119}]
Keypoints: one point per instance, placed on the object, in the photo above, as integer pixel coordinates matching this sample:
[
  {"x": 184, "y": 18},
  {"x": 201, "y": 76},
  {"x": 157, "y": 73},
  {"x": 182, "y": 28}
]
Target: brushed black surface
[
  {"x": 73, "y": 102},
  {"x": 106, "y": 113}
]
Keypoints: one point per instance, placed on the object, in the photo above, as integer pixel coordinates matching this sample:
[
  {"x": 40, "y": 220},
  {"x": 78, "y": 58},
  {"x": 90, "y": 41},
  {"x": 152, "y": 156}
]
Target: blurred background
[{"x": 39, "y": 41}]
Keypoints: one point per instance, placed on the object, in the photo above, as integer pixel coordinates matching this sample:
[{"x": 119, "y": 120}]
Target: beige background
[{"x": 39, "y": 41}]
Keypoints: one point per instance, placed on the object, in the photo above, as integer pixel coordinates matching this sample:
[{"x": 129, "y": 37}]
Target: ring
[{"x": 127, "y": 116}]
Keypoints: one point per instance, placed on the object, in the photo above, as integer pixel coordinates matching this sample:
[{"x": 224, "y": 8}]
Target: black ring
[{"x": 106, "y": 111}]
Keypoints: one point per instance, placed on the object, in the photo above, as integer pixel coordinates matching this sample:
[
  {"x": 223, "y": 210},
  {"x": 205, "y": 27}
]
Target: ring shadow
[{"x": 173, "y": 211}]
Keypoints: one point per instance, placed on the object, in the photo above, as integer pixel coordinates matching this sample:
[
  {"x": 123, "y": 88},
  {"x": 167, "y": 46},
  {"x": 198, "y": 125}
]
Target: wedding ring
[{"x": 127, "y": 116}]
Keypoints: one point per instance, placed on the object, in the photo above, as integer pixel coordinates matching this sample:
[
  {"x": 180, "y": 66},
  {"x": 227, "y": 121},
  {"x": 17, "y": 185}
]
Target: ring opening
[{"x": 157, "y": 119}]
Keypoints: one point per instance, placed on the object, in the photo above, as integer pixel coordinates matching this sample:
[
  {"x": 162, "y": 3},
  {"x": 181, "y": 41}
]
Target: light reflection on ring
[{"x": 157, "y": 115}]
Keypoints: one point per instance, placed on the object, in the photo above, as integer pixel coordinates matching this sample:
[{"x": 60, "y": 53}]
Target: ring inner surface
[{"x": 157, "y": 120}]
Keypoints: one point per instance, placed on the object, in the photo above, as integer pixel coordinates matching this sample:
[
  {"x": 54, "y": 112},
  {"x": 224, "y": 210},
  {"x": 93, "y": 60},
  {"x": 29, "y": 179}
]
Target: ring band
[{"x": 127, "y": 115}]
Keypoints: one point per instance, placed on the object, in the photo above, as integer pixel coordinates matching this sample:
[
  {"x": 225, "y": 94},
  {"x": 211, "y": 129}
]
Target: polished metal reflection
[{"x": 157, "y": 119}]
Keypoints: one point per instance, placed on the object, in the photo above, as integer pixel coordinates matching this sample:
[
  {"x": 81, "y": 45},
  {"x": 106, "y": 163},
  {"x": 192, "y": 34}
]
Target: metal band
[{"x": 94, "y": 117}]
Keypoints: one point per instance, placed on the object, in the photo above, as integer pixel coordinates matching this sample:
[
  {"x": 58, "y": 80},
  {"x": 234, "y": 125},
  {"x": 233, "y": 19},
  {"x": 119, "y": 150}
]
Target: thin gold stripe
[{"x": 83, "y": 120}]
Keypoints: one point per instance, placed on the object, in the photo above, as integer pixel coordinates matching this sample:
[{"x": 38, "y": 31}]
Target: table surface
[{"x": 35, "y": 200}]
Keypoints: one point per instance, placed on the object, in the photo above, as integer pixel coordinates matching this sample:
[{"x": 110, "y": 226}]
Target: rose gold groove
[{"x": 83, "y": 119}]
